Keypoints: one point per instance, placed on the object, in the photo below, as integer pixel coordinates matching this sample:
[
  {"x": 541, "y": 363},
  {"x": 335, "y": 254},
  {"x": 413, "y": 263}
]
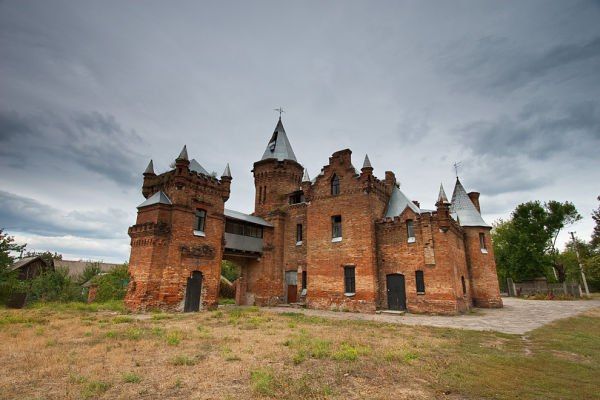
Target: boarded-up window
[
  {"x": 420, "y": 279},
  {"x": 349, "y": 280}
]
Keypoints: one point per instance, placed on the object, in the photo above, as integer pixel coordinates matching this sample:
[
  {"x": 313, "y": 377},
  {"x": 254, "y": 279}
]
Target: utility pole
[{"x": 585, "y": 285}]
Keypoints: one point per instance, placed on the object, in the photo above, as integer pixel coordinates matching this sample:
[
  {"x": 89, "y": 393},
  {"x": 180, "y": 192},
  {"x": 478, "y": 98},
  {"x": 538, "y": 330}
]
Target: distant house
[
  {"x": 29, "y": 268},
  {"x": 76, "y": 268}
]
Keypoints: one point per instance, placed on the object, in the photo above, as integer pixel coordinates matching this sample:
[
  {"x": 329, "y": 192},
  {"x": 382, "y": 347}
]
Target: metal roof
[
  {"x": 398, "y": 203},
  {"x": 367, "y": 162},
  {"x": 227, "y": 172},
  {"x": 442, "y": 196},
  {"x": 305, "y": 177},
  {"x": 183, "y": 155},
  {"x": 279, "y": 146},
  {"x": 196, "y": 167},
  {"x": 462, "y": 208},
  {"x": 156, "y": 198},
  {"x": 150, "y": 168},
  {"x": 246, "y": 217}
]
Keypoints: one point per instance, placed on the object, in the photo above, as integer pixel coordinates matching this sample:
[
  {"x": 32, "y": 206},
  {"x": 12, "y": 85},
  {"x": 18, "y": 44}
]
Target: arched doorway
[
  {"x": 396, "y": 292},
  {"x": 193, "y": 291}
]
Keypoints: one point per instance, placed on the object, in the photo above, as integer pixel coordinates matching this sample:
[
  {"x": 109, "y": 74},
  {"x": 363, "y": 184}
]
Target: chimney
[
  {"x": 474, "y": 196},
  {"x": 390, "y": 178}
]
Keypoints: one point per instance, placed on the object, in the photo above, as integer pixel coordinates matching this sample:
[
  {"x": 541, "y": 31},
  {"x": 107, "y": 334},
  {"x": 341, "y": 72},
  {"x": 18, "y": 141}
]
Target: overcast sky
[{"x": 90, "y": 91}]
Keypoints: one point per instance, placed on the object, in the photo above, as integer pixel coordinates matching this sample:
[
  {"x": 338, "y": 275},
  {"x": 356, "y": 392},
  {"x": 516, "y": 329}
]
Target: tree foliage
[
  {"x": 54, "y": 285},
  {"x": 113, "y": 284},
  {"x": 8, "y": 279},
  {"x": 230, "y": 270},
  {"x": 596, "y": 233},
  {"x": 525, "y": 245}
]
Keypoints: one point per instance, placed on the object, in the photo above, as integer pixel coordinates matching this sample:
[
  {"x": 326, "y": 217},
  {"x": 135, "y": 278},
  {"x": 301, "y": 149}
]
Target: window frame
[
  {"x": 349, "y": 280},
  {"x": 410, "y": 231},
  {"x": 201, "y": 216},
  {"x": 482, "y": 243},
  {"x": 335, "y": 185},
  {"x": 420, "y": 281},
  {"x": 299, "y": 234},
  {"x": 336, "y": 228}
]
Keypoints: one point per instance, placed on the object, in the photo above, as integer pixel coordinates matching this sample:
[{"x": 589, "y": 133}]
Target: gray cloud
[
  {"x": 539, "y": 131},
  {"x": 92, "y": 140},
  {"x": 22, "y": 214}
]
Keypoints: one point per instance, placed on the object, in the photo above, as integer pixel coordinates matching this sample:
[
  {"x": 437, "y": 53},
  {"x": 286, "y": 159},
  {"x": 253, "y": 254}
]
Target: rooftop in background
[{"x": 76, "y": 268}]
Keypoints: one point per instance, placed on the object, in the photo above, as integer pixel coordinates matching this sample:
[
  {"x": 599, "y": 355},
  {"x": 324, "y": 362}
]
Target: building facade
[{"x": 344, "y": 240}]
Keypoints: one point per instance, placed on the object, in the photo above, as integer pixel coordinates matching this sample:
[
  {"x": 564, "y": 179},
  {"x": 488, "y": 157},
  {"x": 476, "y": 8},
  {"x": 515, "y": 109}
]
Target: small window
[
  {"x": 297, "y": 198},
  {"x": 298, "y": 233},
  {"x": 260, "y": 195},
  {"x": 349, "y": 280},
  {"x": 410, "y": 231},
  {"x": 304, "y": 280},
  {"x": 482, "y": 245},
  {"x": 336, "y": 226},
  {"x": 264, "y": 199},
  {"x": 464, "y": 285},
  {"x": 420, "y": 279},
  {"x": 335, "y": 185},
  {"x": 200, "y": 220}
]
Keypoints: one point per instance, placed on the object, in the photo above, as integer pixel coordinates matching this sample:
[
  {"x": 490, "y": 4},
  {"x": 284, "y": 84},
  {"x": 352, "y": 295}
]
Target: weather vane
[
  {"x": 456, "y": 165},
  {"x": 279, "y": 110}
]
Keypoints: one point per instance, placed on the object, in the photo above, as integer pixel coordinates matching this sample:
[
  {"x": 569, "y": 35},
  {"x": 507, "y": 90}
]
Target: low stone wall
[{"x": 541, "y": 285}]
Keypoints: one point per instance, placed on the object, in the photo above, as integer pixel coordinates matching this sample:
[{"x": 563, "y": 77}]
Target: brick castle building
[{"x": 345, "y": 240}]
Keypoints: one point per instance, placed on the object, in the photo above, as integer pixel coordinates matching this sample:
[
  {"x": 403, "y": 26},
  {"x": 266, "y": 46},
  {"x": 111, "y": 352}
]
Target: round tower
[{"x": 277, "y": 174}]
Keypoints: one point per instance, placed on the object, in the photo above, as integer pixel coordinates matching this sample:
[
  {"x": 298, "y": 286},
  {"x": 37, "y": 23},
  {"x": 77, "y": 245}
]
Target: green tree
[
  {"x": 596, "y": 233},
  {"x": 230, "y": 270},
  {"x": 8, "y": 279},
  {"x": 54, "y": 285},
  {"x": 47, "y": 256},
  {"x": 525, "y": 244},
  {"x": 113, "y": 284},
  {"x": 91, "y": 270}
]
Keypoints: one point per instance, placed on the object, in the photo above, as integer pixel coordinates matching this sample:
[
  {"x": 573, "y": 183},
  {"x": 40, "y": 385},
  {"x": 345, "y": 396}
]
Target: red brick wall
[
  {"x": 482, "y": 267},
  {"x": 164, "y": 249}
]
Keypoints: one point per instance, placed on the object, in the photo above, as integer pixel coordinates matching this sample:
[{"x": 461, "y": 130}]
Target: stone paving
[{"x": 517, "y": 316}]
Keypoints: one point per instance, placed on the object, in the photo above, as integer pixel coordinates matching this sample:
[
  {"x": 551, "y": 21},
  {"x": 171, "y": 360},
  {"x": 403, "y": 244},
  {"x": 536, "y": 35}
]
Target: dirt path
[{"x": 517, "y": 316}]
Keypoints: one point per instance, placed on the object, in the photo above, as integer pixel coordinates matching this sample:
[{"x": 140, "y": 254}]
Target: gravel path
[{"x": 517, "y": 316}]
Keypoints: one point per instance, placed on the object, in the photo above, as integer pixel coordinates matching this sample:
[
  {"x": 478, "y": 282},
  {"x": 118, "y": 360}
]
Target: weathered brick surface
[{"x": 165, "y": 251}]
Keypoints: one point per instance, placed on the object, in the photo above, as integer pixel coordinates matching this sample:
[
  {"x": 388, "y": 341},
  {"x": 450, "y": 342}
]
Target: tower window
[
  {"x": 482, "y": 245},
  {"x": 420, "y": 280},
  {"x": 464, "y": 285},
  {"x": 298, "y": 233},
  {"x": 336, "y": 227},
  {"x": 335, "y": 185},
  {"x": 349, "y": 280},
  {"x": 260, "y": 195},
  {"x": 200, "y": 220},
  {"x": 410, "y": 231},
  {"x": 304, "y": 280}
]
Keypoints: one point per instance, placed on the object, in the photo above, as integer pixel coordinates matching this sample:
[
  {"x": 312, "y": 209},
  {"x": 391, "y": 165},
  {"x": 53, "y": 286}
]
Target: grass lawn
[{"x": 77, "y": 351}]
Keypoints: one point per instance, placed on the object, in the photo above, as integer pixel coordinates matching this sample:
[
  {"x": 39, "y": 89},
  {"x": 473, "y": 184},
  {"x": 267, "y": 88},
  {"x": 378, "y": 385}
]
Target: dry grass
[{"x": 78, "y": 352}]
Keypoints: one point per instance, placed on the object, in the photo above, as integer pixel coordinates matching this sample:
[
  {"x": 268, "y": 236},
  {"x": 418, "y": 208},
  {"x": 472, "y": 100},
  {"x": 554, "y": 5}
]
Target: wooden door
[
  {"x": 396, "y": 292},
  {"x": 291, "y": 281},
  {"x": 292, "y": 293},
  {"x": 192, "y": 292}
]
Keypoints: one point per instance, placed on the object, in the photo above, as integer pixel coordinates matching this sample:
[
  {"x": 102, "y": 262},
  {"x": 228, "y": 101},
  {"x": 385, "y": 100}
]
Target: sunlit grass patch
[
  {"x": 95, "y": 389},
  {"x": 183, "y": 360},
  {"x": 262, "y": 381},
  {"x": 130, "y": 377}
]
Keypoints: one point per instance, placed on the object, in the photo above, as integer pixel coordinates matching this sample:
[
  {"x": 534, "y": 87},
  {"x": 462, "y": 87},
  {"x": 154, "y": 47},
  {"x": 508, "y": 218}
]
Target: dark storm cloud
[
  {"x": 22, "y": 214},
  {"x": 539, "y": 132},
  {"x": 91, "y": 140},
  {"x": 497, "y": 64}
]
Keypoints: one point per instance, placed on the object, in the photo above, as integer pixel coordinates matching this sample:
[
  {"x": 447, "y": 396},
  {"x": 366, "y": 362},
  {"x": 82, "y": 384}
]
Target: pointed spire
[
  {"x": 305, "y": 177},
  {"x": 442, "y": 198},
  {"x": 463, "y": 208},
  {"x": 227, "y": 172},
  {"x": 279, "y": 146},
  {"x": 367, "y": 162},
  {"x": 150, "y": 168},
  {"x": 183, "y": 155}
]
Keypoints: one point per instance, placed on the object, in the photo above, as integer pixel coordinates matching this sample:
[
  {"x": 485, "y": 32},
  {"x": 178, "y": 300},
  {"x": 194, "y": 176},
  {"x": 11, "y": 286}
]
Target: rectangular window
[
  {"x": 349, "y": 280},
  {"x": 336, "y": 226},
  {"x": 482, "y": 243},
  {"x": 304, "y": 280},
  {"x": 420, "y": 279},
  {"x": 464, "y": 285},
  {"x": 410, "y": 230},
  {"x": 200, "y": 220},
  {"x": 296, "y": 198},
  {"x": 298, "y": 233}
]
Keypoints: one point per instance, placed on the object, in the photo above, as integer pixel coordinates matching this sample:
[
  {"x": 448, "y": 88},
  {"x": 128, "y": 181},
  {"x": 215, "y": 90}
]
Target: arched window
[{"x": 335, "y": 185}]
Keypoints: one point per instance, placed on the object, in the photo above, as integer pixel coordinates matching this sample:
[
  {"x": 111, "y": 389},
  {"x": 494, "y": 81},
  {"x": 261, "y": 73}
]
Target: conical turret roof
[
  {"x": 279, "y": 146},
  {"x": 183, "y": 155},
  {"x": 367, "y": 162},
  {"x": 398, "y": 203},
  {"x": 227, "y": 172},
  {"x": 305, "y": 177},
  {"x": 442, "y": 196},
  {"x": 462, "y": 208},
  {"x": 149, "y": 168}
]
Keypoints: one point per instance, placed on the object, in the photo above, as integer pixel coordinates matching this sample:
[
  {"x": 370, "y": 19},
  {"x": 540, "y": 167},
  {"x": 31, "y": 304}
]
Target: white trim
[
  {"x": 349, "y": 294},
  {"x": 412, "y": 239},
  {"x": 199, "y": 233},
  {"x": 484, "y": 251},
  {"x": 299, "y": 243},
  {"x": 336, "y": 239}
]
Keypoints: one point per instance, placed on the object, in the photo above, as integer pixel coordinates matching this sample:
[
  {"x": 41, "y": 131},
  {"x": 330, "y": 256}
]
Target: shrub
[
  {"x": 54, "y": 285},
  {"x": 113, "y": 284}
]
